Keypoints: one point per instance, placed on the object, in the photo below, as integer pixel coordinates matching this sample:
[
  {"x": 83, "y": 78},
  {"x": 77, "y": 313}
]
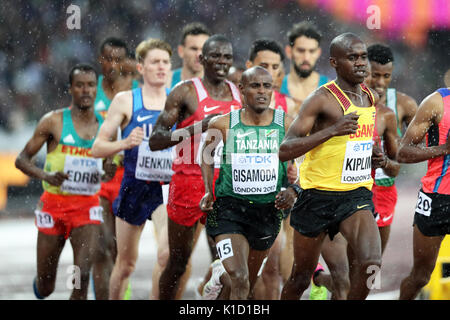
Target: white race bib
[
  {"x": 357, "y": 162},
  {"x": 217, "y": 152},
  {"x": 153, "y": 165},
  {"x": 43, "y": 219},
  {"x": 423, "y": 204},
  {"x": 96, "y": 214},
  {"x": 84, "y": 175},
  {"x": 254, "y": 173}
]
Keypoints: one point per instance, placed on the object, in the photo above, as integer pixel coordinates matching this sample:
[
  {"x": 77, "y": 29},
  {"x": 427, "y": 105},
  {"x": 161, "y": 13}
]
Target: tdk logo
[
  {"x": 254, "y": 159},
  {"x": 363, "y": 146}
]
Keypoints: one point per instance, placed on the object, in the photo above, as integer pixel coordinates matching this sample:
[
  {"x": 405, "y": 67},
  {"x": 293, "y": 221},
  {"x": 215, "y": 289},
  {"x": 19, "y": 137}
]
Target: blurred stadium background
[{"x": 37, "y": 50}]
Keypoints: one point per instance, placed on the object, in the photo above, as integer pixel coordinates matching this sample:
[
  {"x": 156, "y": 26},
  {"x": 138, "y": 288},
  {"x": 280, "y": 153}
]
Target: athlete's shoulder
[
  {"x": 404, "y": 99},
  {"x": 220, "y": 121}
]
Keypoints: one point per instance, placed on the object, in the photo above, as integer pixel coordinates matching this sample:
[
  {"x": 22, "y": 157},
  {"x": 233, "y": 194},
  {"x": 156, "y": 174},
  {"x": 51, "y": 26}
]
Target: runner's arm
[
  {"x": 429, "y": 112},
  {"x": 298, "y": 139},
  {"x": 105, "y": 144},
  {"x": 391, "y": 167},
  {"x": 24, "y": 161}
]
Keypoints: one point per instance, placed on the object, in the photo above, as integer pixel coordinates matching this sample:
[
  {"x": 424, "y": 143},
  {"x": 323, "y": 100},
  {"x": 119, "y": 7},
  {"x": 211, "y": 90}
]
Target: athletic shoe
[
  {"x": 212, "y": 288},
  {"x": 35, "y": 290},
  {"x": 127, "y": 295},
  {"x": 318, "y": 292}
]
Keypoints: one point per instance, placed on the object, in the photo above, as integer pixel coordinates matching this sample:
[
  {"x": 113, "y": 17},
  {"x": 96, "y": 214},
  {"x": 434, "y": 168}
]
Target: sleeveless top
[
  {"x": 73, "y": 156},
  {"x": 343, "y": 163},
  {"x": 250, "y": 166},
  {"x": 284, "y": 85},
  {"x": 380, "y": 178},
  {"x": 280, "y": 101},
  {"x": 187, "y": 153},
  {"x": 176, "y": 77},
  {"x": 140, "y": 162},
  {"x": 436, "y": 179}
]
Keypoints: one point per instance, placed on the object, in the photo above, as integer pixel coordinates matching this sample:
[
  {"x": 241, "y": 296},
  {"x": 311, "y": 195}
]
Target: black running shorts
[
  {"x": 432, "y": 215},
  {"x": 259, "y": 223},
  {"x": 317, "y": 211}
]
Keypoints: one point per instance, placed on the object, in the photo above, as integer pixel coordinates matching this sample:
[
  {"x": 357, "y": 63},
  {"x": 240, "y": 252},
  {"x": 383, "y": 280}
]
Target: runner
[
  {"x": 246, "y": 216},
  {"x": 69, "y": 207},
  {"x": 135, "y": 112},
  {"x": 336, "y": 174},
  {"x": 190, "y": 106},
  {"x": 193, "y": 37},
  {"x": 431, "y": 218},
  {"x": 114, "y": 64}
]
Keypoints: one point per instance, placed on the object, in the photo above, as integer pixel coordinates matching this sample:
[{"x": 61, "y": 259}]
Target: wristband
[{"x": 296, "y": 188}]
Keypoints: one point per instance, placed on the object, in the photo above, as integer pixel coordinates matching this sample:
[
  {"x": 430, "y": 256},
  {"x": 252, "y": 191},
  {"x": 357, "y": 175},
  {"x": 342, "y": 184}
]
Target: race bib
[
  {"x": 153, "y": 165},
  {"x": 423, "y": 204},
  {"x": 224, "y": 249},
  {"x": 96, "y": 214},
  {"x": 357, "y": 162},
  {"x": 84, "y": 175},
  {"x": 217, "y": 152},
  {"x": 254, "y": 173},
  {"x": 43, "y": 219}
]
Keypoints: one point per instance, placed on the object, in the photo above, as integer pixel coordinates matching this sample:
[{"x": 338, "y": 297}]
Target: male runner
[
  {"x": 334, "y": 128},
  {"x": 190, "y": 106},
  {"x": 431, "y": 218},
  {"x": 268, "y": 54},
  {"x": 303, "y": 50},
  {"x": 135, "y": 112},
  {"x": 193, "y": 37},
  {"x": 385, "y": 193},
  {"x": 246, "y": 216},
  {"x": 69, "y": 207},
  {"x": 113, "y": 62}
]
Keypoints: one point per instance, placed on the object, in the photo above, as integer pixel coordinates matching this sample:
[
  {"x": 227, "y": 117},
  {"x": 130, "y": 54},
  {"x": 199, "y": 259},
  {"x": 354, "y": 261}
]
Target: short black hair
[
  {"x": 265, "y": 44},
  {"x": 380, "y": 53},
  {"x": 194, "y": 29},
  {"x": 85, "y": 67},
  {"x": 306, "y": 29},
  {"x": 113, "y": 42},
  {"x": 214, "y": 38}
]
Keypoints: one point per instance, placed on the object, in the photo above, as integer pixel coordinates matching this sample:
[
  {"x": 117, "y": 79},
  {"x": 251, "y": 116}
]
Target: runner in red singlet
[{"x": 190, "y": 106}]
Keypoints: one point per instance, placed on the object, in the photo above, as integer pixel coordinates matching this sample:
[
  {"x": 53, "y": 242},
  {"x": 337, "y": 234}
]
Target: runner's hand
[
  {"x": 56, "y": 178},
  {"x": 135, "y": 138},
  {"x": 291, "y": 172},
  {"x": 348, "y": 124},
  {"x": 379, "y": 159},
  {"x": 285, "y": 199},
  {"x": 206, "y": 204}
]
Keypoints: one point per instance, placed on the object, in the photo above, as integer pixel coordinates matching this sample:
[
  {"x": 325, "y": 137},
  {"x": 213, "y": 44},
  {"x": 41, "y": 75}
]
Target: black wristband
[{"x": 296, "y": 188}]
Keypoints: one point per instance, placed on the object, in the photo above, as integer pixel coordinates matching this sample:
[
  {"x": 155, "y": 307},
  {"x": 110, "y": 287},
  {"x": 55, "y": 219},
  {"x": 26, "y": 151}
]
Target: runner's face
[
  {"x": 257, "y": 91},
  {"x": 270, "y": 61},
  {"x": 380, "y": 77},
  {"x": 191, "y": 50},
  {"x": 83, "y": 89},
  {"x": 111, "y": 60},
  {"x": 352, "y": 64},
  {"x": 304, "y": 55},
  {"x": 217, "y": 60},
  {"x": 156, "y": 67}
]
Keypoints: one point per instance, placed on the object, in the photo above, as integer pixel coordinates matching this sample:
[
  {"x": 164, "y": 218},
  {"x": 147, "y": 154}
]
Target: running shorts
[
  {"x": 259, "y": 223},
  {"x": 110, "y": 190},
  {"x": 432, "y": 215},
  {"x": 185, "y": 193},
  {"x": 317, "y": 211},
  {"x": 59, "y": 214},
  {"x": 137, "y": 200},
  {"x": 384, "y": 200}
]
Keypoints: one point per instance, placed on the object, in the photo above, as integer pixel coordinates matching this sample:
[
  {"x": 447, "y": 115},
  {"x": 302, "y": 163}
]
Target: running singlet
[
  {"x": 437, "y": 180},
  {"x": 250, "y": 166},
  {"x": 343, "y": 163},
  {"x": 187, "y": 158},
  {"x": 284, "y": 85},
  {"x": 280, "y": 101},
  {"x": 381, "y": 179},
  {"x": 140, "y": 162},
  {"x": 102, "y": 102},
  {"x": 176, "y": 77},
  {"x": 73, "y": 156}
]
